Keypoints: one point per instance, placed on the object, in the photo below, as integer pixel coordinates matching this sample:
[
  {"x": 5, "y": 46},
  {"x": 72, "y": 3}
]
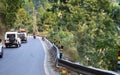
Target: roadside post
[
  {"x": 61, "y": 52},
  {"x": 59, "y": 44},
  {"x": 43, "y": 38},
  {"x": 118, "y": 63}
]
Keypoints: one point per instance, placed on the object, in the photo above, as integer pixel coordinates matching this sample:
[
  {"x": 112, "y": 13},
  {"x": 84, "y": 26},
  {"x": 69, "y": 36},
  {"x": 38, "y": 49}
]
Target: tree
[
  {"x": 22, "y": 20},
  {"x": 11, "y": 7},
  {"x": 94, "y": 29}
]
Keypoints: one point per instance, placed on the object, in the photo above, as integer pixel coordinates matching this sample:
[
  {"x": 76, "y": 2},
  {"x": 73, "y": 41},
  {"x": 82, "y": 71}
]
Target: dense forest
[
  {"x": 88, "y": 29},
  {"x": 8, "y": 9}
]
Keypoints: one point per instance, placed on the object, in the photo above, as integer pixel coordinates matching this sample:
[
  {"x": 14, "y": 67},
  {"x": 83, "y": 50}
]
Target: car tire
[
  {"x": 1, "y": 56},
  {"x": 17, "y": 45},
  {"x": 6, "y": 46},
  {"x": 26, "y": 41}
]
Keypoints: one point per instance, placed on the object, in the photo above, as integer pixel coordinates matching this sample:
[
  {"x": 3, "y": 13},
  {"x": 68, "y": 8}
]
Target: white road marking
[{"x": 45, "y": 60}]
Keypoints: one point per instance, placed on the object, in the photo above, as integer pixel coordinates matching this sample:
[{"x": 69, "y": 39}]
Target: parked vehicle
[
  {"x": 22, "y": 35},
  {"x": 1, "y": 49},
  {"x": 12, "y": 39}
]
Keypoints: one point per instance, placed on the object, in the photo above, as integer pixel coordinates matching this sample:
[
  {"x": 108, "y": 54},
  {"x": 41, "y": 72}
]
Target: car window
[
  {"x": 21, "y": 35},
  {"x": 10, "y": 35}
]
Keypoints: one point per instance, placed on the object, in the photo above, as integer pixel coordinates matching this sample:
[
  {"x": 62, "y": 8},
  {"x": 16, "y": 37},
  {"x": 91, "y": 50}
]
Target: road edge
[{"x": 45, "y": 60}]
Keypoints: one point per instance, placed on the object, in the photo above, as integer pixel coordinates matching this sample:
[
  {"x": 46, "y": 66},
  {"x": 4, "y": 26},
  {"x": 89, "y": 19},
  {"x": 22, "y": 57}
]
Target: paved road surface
[{"x": 26, "y": 60}]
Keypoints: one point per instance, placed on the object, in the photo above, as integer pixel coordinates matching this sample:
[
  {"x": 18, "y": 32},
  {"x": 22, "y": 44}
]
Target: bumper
[
  {"x": 25, "y": 39},
  {"x": 14, "y": 43}
]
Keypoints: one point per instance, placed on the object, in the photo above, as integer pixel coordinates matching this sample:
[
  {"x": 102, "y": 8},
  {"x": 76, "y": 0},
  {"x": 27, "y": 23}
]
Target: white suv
[
  {"x": 11, "y": 38},
  {"x": 1, "y": 49},
  {"x": 23, "y": 36}
]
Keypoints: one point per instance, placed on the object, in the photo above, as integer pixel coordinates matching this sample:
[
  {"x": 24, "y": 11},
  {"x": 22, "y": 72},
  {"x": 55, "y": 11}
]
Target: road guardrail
[{"x": 81, "y": 69}]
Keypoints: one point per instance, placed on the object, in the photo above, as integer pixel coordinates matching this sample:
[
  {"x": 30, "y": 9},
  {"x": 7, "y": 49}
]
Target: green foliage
[
  {"x": 9, "y": 21},
  {"x": 116, "y": 14},
  {"x": 23, "y": 20},
  {"x": 89, "y": 27},
  {"x": 8, "y": 10}
]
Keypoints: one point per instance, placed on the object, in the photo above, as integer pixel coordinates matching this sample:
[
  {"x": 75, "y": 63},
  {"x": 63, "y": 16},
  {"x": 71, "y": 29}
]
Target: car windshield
[
  {"x": 10, "y": 35},
  {"x": 21, "y": 35}
]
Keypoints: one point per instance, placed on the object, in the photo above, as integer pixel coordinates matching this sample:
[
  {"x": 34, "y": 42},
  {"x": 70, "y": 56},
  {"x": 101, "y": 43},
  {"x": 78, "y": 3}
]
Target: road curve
[{"x": 25, "y": 60}]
